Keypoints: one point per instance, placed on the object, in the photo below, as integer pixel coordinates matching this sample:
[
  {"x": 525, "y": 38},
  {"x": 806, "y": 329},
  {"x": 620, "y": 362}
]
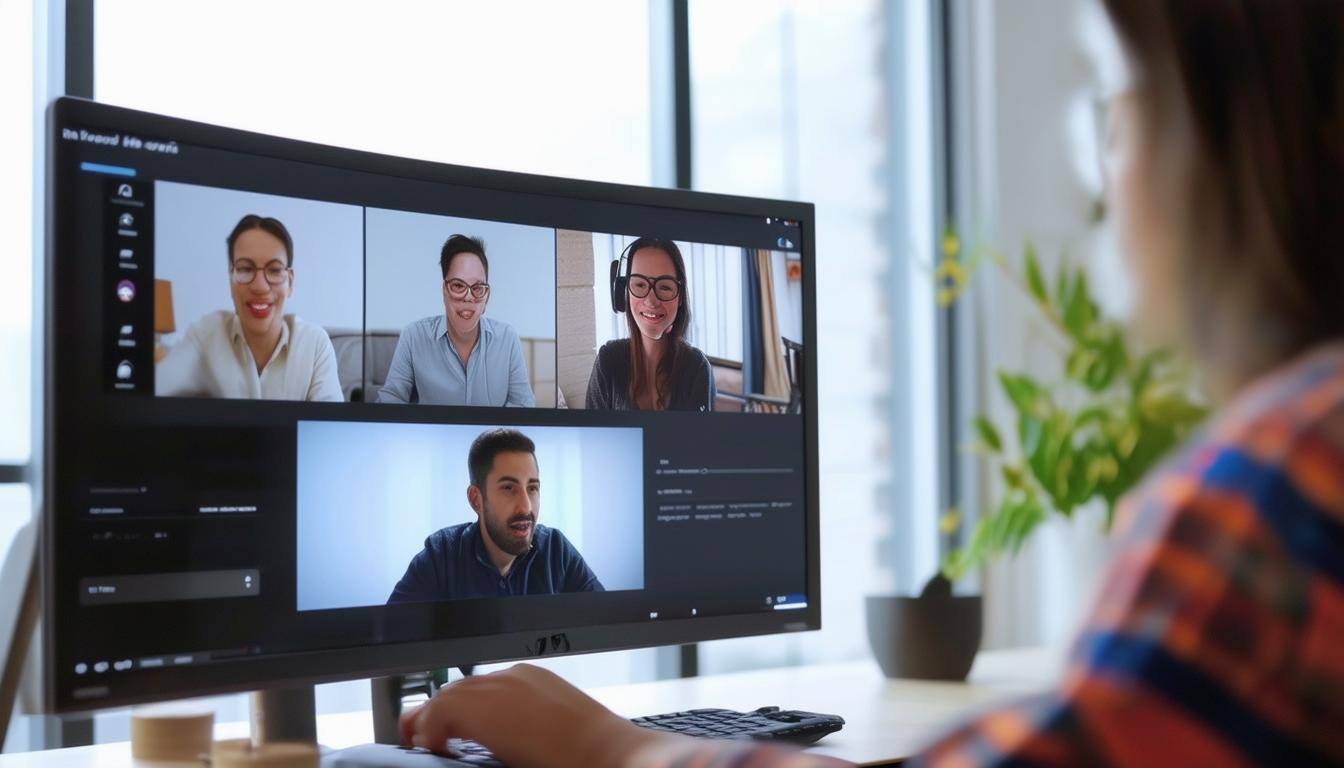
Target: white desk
[{"x": 886, "y": 720}]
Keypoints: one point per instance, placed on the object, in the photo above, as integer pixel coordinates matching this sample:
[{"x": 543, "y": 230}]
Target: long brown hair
[
  {"x": 675, "y": 355},
  {"x": 1250, "y": 96}
]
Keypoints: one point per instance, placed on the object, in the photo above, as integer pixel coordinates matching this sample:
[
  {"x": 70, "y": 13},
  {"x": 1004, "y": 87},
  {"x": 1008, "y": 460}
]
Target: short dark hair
[
  {"x": 456, "y": 244},
  {"x": 491, "y": 443},
  {"x": 268, "y": 225}
]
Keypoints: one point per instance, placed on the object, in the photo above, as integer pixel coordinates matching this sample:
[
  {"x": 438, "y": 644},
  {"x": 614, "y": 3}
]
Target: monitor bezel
[{"x": 282, "y": 670}]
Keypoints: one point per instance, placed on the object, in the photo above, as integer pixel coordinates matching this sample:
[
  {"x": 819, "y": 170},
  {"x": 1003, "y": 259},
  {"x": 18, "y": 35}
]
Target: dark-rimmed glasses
[
  {"x": 664, "y": 288},
  {"x": 459, "y": 289},
  {"x": 244, "y": 272}
]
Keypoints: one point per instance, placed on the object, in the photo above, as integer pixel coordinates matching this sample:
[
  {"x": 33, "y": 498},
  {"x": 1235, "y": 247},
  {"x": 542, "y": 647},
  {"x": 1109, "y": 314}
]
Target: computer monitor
[{"x": 317, "y": 414}]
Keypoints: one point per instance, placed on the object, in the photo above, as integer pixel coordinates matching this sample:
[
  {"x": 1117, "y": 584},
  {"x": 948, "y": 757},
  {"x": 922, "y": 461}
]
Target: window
[
  {"x": 830, "y": 104},
  {"x": 545, "y": 88},
  {"x": 17, "y": 229}
]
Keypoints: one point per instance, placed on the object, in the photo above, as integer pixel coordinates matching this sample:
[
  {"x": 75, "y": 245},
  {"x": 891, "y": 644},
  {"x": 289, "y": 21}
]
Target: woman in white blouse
[{"x": 256, "y": 351}]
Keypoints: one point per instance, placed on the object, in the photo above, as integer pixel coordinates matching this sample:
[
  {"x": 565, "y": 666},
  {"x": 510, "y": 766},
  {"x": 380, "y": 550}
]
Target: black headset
[{"x": 621, "y": 266}]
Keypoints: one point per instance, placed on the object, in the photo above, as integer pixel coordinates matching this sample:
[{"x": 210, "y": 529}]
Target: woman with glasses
[
  {"x": 460, "y": 357},
  {"x": 256, "y": 351},
  {"x": 655, "y": 369}
]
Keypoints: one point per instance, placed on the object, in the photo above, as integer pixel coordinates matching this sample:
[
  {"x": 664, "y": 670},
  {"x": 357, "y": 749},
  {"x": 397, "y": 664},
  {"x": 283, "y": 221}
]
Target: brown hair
[
  {"x": 1248, "y": 96},
  {"x": 675, "y": 355}
]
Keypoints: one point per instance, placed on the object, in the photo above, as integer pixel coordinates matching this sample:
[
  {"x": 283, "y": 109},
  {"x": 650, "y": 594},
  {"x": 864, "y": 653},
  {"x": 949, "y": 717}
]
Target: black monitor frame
[{"x": 280, "y": 670}]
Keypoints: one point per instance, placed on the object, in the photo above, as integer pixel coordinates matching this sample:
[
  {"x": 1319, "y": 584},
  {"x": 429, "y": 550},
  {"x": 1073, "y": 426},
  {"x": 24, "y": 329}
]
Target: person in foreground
[
  {"x": 504, "y": 551},
  {"x": 1218, "y": 636},
  {"x": 254, "y": 351},
  {"x": 460, "y": 357},
  {"x": 655, "y": 369}
]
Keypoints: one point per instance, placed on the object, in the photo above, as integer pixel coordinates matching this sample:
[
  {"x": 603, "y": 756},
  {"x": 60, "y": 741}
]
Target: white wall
[
  {"x": 191, "y": 227},
  {"x": 404, "y": 279},
  {"x": 369, "y": 494}
]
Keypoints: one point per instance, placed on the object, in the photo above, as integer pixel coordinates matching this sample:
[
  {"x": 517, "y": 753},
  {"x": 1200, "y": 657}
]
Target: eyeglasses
[
  {"x": 244, "y": 272},
  {"x": 459, "y": 289},
  {"x": 664, "y": 288}
]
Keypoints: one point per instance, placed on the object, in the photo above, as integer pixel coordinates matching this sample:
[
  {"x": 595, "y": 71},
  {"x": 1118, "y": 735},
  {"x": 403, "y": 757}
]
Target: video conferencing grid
[{"x": 322, "y": 413}]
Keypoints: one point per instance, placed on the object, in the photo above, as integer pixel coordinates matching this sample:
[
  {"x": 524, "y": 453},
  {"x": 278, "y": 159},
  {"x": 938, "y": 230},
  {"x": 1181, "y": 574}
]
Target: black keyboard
[{"x": 764, "y": 724}]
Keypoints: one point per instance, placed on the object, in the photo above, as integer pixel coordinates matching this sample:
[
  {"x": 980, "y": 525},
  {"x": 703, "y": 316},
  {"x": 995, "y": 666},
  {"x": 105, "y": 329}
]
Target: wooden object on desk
[
  {"x": 886, "y": 720},
  {"x": 171, "y": 733}
]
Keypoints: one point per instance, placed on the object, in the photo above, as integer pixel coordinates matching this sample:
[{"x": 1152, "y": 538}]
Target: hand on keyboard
[{"x": 526, "y": 716}]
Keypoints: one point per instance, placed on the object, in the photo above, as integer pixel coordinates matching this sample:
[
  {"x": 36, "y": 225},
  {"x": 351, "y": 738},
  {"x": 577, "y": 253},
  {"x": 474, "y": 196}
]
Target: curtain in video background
[
  {"x": 773, "y": 374},
  {"x": 753, "y": 356}
]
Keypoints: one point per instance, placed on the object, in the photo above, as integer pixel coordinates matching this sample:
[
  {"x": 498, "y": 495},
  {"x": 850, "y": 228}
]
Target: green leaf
[
  {"x": 989, "y": 435},
  {"x": 1080, "y": 359},
  {"x": 1079, "y": 312},
  {"x": 1021, "y": 390},
  {"x": 1170, "y": 408},
  {"x": 1021, "y": 522},
  {"x": 1035, "y": 281}
]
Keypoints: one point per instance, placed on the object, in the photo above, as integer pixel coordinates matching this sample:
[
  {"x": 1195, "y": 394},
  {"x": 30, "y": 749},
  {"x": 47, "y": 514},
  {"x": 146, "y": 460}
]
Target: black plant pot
[{"x": 932, "y": 637}]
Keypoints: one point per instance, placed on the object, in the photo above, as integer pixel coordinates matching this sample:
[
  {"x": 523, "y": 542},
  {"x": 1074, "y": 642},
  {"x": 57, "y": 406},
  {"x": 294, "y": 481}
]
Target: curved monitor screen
[{"x": 316, "y": 413}]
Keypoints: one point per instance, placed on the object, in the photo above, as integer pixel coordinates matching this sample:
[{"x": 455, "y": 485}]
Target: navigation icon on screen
[
  {"x": 127, "y": 330},
  {"x": 124, "y": 190},
  {"x": 124, "y": 370},
  {"x": 126, "y": 220},
  {"x": 126, "y": 291},
  {"x": 126, "y": 253}
]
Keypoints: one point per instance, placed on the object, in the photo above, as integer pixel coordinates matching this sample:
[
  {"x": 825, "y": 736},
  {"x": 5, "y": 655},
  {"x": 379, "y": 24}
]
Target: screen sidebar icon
[{"x": 128, "y": 298}]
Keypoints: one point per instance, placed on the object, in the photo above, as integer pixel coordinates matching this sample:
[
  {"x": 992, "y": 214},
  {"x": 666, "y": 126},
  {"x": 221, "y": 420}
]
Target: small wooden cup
[{"x": 171, "y": 733}]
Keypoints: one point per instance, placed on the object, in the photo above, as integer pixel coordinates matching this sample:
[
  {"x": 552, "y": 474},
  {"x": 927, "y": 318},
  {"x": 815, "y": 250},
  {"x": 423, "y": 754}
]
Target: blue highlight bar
[{"x": 112, "y": 170}]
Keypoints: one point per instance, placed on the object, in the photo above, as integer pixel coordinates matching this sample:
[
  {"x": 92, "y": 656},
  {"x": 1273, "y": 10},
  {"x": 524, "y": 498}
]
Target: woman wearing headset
[{"x": 655, "y": 369}]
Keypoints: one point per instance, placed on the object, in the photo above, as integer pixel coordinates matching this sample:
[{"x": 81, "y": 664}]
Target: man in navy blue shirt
[{"x": 504, "y": 551}]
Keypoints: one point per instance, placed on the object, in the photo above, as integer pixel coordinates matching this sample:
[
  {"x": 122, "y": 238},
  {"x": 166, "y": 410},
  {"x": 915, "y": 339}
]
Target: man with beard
[{"x": 504, "y": 551}]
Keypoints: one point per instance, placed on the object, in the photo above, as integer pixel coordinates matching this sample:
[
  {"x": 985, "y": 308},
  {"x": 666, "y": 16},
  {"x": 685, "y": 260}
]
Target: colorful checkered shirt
[{"x": 1218, "y": 638}]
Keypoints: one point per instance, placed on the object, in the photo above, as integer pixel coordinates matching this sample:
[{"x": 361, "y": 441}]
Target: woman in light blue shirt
[{"x": 460, "y": 357}]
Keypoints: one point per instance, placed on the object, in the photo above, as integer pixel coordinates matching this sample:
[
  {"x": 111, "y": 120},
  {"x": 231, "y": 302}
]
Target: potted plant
[{"x": 1084, "y": 437}]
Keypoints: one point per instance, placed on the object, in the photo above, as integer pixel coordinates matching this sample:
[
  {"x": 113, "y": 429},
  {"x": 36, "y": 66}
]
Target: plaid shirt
[{"x": 1218, "y": 638}]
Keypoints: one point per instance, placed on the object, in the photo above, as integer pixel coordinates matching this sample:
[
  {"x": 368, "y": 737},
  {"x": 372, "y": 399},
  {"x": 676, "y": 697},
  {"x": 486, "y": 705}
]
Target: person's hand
[{"x": 526, "y": 716}]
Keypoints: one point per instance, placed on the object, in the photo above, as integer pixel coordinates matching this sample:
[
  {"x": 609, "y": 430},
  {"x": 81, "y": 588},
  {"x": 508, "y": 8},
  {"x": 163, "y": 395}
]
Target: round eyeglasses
[
  {"x": 459, "y": 289},
  {"x": 664, "y": 288},
  {"x": 245, "y": 272}
]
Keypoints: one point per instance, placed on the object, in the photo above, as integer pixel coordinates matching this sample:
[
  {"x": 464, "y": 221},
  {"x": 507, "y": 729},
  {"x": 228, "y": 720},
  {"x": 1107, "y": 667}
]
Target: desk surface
[{"x": 886, "y": 720}]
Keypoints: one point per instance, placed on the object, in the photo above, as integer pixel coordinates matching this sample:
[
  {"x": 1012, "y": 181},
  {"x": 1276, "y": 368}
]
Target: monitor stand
[{"x": 284, "y": 714}]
